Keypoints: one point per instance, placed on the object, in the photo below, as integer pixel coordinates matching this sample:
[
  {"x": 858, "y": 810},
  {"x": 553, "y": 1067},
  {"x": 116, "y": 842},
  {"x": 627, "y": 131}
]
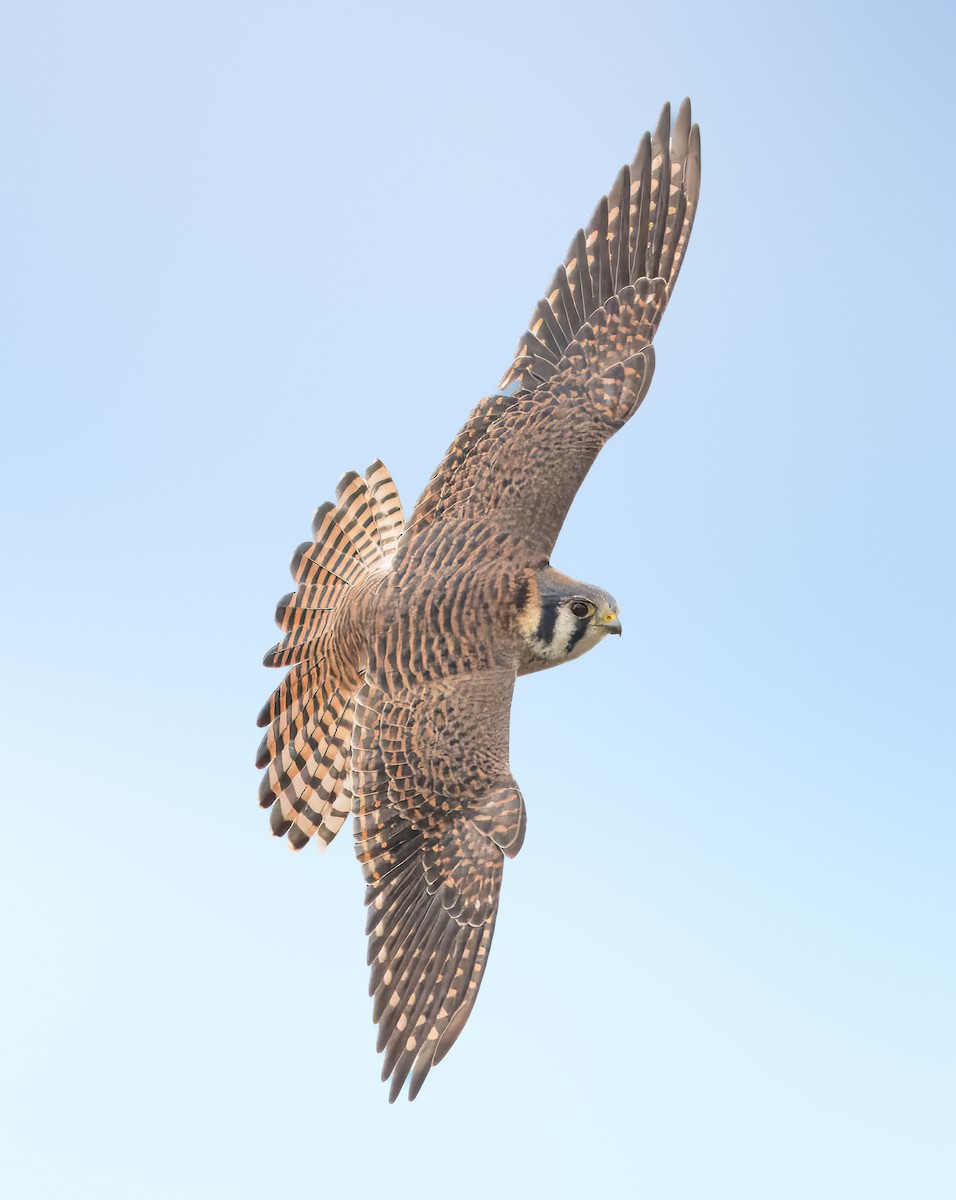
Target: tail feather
[
  {"x": 306, "y": 749},
  {"x": 386, "y": 509}
]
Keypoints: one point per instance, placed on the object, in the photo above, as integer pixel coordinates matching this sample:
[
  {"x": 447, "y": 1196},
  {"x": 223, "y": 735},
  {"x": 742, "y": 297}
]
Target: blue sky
[{"x": 248, "y": 247}]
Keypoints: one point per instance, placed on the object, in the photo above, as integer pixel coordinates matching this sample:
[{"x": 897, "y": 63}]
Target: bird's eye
[{"x": 581, "y": 608}]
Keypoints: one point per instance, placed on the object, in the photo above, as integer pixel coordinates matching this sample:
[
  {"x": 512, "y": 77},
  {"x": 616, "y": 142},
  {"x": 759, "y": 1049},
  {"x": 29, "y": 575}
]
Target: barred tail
[{"x": 306, "y": 749}]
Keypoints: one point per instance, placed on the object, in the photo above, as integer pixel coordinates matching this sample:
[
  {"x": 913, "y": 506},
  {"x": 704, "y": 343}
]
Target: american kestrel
[{"x": 404, "y": 640}]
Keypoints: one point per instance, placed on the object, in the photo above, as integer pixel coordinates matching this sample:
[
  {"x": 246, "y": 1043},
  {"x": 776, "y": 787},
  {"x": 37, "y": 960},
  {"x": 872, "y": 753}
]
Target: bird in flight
[{"x": 404, "y": 639}]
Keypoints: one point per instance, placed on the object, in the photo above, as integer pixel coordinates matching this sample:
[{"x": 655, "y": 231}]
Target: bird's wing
[
  {"x": 582, "y": 367},
  {"x": 436, "y": 813}
]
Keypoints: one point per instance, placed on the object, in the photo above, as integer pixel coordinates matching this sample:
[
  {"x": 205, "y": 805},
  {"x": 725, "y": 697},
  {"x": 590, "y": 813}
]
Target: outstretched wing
[
  {"x": 436, "y": 813},
  {"x": 582, "y": 367}
]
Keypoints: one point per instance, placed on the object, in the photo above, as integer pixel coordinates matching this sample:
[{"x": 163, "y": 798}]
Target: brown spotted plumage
[{"x": 404, "y": 642}]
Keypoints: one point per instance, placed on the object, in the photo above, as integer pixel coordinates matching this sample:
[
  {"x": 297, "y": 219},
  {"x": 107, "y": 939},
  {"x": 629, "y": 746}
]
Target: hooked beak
[{"x": 610, "y": 623}]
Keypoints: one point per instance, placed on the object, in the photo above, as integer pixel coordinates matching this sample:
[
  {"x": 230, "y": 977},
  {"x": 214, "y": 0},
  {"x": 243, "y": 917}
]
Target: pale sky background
[{"x": 246, "y": 247}]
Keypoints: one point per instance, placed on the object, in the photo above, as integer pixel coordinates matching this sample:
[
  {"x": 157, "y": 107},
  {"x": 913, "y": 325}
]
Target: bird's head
[{"x": 560, "y": 619}]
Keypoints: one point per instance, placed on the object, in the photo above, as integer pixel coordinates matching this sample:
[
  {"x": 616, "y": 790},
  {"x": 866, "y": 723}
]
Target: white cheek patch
[
  {"x": 590, "y": 639},
  {"x": 567, "y": 630},
  {"x": 565, "y": 627},
  {"x": 552, "y": 649}
]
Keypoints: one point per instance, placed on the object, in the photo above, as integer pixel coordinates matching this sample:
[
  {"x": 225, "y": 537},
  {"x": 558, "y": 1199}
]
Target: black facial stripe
[
  {"x": 549, "y": 614},
  {"x": 575, "y": 637}
]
